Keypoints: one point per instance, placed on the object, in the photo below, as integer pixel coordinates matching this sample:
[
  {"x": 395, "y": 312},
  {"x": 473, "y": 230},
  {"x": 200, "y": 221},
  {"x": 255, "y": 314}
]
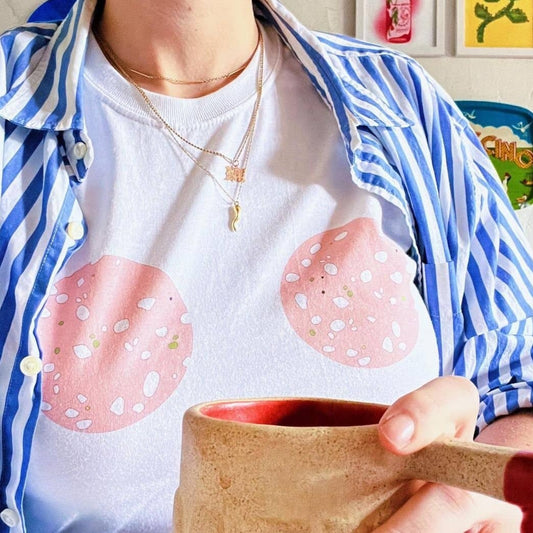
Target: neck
[{"x": 182, "y": 39}]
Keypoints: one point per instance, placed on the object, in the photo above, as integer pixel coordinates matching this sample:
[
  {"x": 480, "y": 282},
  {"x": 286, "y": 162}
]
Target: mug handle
[{"x": 497, "y": 471}]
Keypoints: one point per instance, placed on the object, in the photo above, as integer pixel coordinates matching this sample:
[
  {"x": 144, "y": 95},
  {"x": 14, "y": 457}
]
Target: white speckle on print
[
  {"x": 301, "y": 300},
  {"x": 292, "y": 277},
  {"x": 161, "y": 332},
  {"x": 117, "y": 407},
  {"x": 396, "y": 277},
  {"x": 104, "y": 328},
  {"x": 78, "y": 300},
  {"x": 410, "y": 268},
  {"x": 45, "y": 406},
  {"x": 402, "y": 346},
  {"x": 393, "y": 301},
  {"x": 82, "y": 312},
  {"x": 378, "y": 294},
  {"x": 381, "y": 257},
  {"x": 337, "y": 325},
  {"x": 331, "y": 269},
  {"x": 128, "y": 347},
  {"x": 62, "y": 298},
  {"x": 146, "y": 355},
  {"x": 341, "y": 236},
  {"x": 81, "y": 398},
  {"x": 306, "y": 262},
  {"x": 371, "y": 319},
  {"x": 138, "y": 407},
  {"x": 82, "y": 351},
  {"x": 186, "y": 318},
  {"x": 315, "y": 248},
  {"x": 331, "y": 336},
  {"x": 135, "y": 341},
  {"x": 364, "y": 361},
  {"x": 80, "y": 282},
  {"x": 396, "y": 329},
  {"x": 328, "y": 349},
  {"x": 366, "y": 276},
  {"x": 351, "y": 353},
  {"x": 46, "y": 313},
  {"x": 121, "y": 325},
  {"x": 56, "y": 389},
  {"x": 146, "y": 303},
  {"x": 85, "y": 295},
  {"x": 151, "y": 383},
  {"x": 71, "y": 413},
  {"x": 387, "y": 345},
  {"x": 49, "y": 367},
  {"x": 341, "y": 302},
  {"x": 57, "y": 376},
  {"x": 316, "y": 320},
  {"x": 84, "y": 424}
]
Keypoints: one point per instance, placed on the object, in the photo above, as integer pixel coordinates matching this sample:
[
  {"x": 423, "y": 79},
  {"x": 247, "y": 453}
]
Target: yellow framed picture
[{"x": 495, "y": 28}]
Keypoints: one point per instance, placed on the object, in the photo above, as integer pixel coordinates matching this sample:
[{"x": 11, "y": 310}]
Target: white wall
[
  {"x": 508, "y": 80},
  {"x": 13, "y": 12}
]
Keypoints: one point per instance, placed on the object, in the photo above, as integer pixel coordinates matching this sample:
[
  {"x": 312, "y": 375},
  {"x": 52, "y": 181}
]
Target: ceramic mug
[{"x": 306, "y": 465}]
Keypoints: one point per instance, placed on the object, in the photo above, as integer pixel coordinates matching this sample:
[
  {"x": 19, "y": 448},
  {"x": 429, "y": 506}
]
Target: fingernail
[{"x": 399, "y": 430}]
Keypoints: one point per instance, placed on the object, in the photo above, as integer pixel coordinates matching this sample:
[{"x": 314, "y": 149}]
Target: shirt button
[
  {"x": 79, "y": 150},
  {"x": 75, "y": 230},
  {"x": 10, "y": 517},
  {"x": 31, "y": 366}
]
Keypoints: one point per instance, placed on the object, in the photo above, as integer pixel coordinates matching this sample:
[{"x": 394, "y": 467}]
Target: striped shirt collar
[{"x": 48, "y": 97}]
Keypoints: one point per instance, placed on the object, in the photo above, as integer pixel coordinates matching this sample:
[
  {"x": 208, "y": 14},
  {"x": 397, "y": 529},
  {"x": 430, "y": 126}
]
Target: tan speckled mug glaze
[{"x": 314, "y": 466}]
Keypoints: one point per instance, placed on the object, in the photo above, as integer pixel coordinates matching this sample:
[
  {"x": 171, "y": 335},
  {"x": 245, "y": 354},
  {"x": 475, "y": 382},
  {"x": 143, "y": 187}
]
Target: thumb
[{"x": 445, "y": 406}]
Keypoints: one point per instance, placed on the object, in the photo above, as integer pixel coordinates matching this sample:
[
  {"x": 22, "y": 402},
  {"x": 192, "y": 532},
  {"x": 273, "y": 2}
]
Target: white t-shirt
[{"x": 164, "y": 307}]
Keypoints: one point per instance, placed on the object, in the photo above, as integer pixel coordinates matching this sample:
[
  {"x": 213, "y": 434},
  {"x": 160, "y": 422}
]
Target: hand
[{"x": 446, "y": 406}]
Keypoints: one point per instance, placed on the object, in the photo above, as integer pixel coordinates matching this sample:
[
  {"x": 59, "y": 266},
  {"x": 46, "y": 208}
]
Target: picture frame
[
  {"x": 427, "y": 26},
  {"x": 478, "y": 34}
]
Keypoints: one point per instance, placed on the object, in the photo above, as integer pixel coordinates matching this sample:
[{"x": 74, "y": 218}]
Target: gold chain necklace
[
  {"x": 176, "y": 81},
  {"x": 234, "y": 172}
]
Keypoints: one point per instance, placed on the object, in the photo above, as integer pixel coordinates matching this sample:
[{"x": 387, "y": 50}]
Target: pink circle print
[
  {"x": 114, "y": 337},
  {"x": 348, "y": 294}
]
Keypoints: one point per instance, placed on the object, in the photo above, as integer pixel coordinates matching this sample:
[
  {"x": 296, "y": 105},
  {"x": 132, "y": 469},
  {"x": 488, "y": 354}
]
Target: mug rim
[{"x": 357, "y": 408}]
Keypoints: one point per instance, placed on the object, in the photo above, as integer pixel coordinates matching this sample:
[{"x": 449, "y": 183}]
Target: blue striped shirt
[{"x": 405, "y": 141}]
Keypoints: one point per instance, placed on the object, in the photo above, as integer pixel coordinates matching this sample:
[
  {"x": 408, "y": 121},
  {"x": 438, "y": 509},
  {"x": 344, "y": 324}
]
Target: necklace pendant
[
  {"x": 235, "y": 174},
  {"x": 236, "y": 216}
]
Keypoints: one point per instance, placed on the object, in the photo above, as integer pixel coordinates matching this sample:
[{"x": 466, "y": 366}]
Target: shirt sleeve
[
  {"x": 494, "y": 271},
  {"x": 498, "y": 298}
]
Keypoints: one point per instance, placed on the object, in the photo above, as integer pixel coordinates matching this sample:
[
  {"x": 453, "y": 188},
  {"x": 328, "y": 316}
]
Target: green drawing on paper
[{"x": 513, "y": 14}]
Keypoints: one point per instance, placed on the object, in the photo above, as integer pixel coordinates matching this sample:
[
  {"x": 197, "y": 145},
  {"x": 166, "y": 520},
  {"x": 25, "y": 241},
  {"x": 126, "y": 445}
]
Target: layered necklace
[{"x": 236, "y": 166}]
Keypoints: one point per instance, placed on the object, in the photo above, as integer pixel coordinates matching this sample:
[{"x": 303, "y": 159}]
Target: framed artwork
[
  {"x": 506, "y": 133},
  {"x": 495, "y": 28},
  {"x": 416, "y": 27}
]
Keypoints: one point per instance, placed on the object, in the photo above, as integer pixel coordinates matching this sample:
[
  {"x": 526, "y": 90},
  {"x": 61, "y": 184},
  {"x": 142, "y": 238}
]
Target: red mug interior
[{"x": 296, "y": 412}]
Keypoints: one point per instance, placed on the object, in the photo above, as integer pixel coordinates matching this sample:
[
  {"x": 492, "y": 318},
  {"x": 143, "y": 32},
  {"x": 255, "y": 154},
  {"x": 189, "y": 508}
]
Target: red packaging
[{"x": 399, "y": 17}]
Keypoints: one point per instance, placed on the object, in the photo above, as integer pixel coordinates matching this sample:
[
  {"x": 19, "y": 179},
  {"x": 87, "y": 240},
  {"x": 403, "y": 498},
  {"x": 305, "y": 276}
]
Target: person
[{"x": 206, "y": 200}]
